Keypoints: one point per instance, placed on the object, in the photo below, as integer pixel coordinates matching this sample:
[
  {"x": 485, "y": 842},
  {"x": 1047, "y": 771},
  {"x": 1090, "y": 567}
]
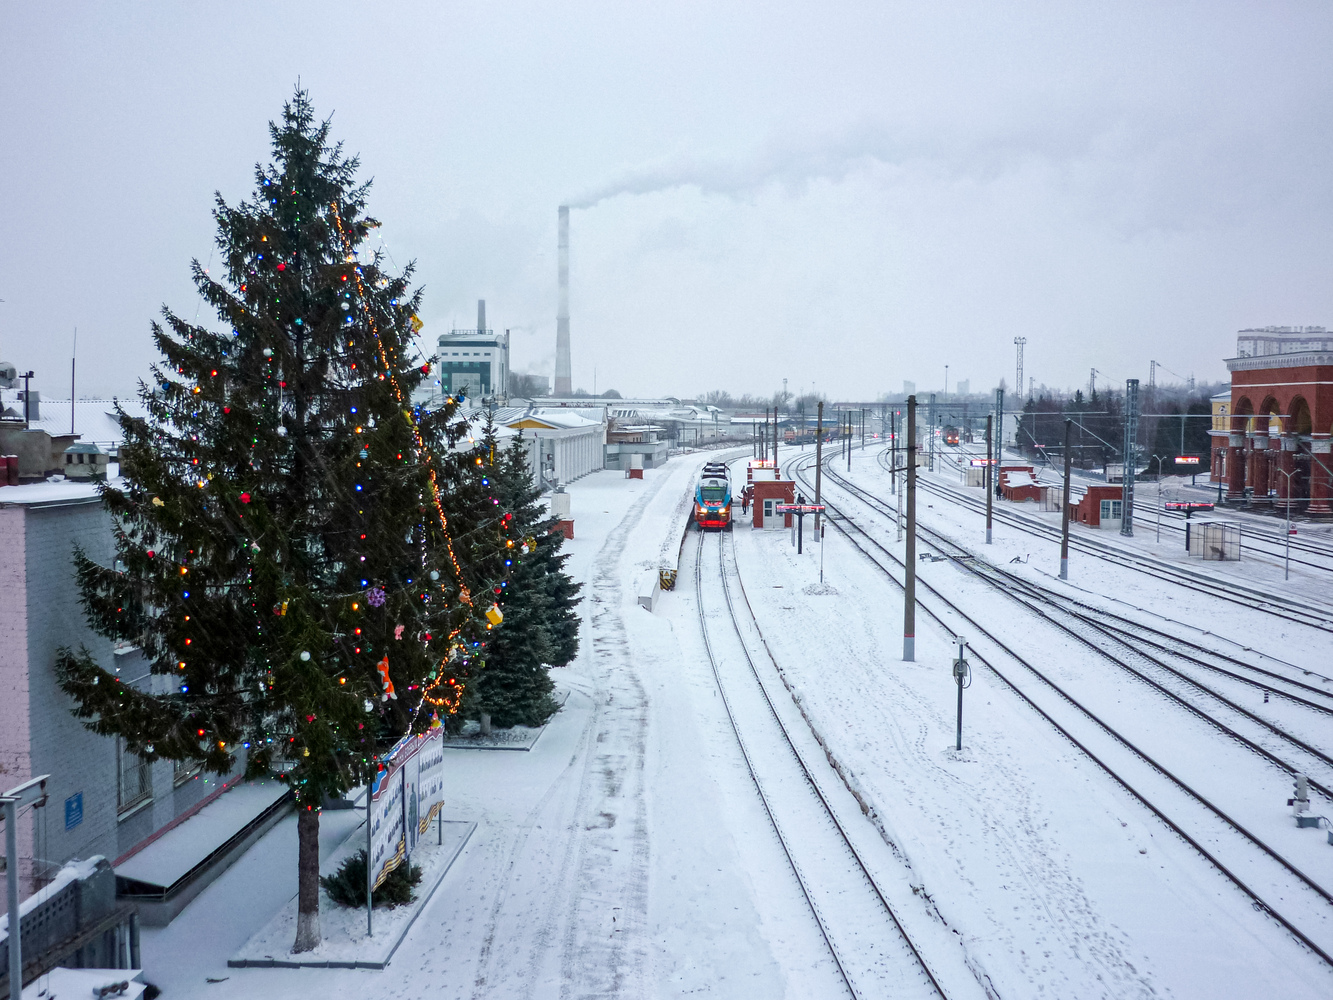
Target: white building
[
  {"x": 1266, "y": 340},
  {"x": 564, "y": 443},
  {"x": 473, "y": 362}
]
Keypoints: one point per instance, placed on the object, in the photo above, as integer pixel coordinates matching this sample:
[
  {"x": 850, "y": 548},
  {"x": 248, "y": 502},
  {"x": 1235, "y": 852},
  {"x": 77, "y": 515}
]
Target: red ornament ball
[
  {"x": 245, "y": 498},
  {"x": 282, "y": 267}
]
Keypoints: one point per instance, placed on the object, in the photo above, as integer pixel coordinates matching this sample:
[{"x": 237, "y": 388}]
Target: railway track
[
  {"x": 1082, "y": 622},
  {"x": 1290, "y": 609},
  {"x": 1268, "y": 878},
  {"x": 871, "y": 949},
  {"x": 1252, "y": 534}
]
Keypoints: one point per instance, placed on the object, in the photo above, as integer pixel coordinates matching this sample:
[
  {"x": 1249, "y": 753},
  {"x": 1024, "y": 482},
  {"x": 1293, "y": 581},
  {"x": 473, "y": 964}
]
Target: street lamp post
[{"x": 1286, "y": 559}]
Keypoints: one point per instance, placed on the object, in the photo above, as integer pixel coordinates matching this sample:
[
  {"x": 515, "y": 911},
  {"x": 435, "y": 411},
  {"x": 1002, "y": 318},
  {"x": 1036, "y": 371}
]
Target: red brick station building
[{"x": 1276, "y": 448}]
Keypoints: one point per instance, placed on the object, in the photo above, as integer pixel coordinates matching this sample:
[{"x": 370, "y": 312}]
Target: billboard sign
[
  {"x": 1187, "y": 459},
  {"x": 406, "y": 796}
]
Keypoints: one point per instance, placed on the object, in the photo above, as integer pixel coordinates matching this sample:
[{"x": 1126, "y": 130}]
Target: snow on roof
[
  {"x": 95, "y": 420},
  {"x": 179, "y": 850},
  {"x": 60, "y": 491},
  {"x": 564, "y": 417},
  {"x": 1016, "y": 479}
]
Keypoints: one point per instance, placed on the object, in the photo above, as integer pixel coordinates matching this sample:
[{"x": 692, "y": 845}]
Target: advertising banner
[
  {"x": 387, "y": 846},
  {"x": 406, "y": 797},
  {"x": 430, "y": 779}
]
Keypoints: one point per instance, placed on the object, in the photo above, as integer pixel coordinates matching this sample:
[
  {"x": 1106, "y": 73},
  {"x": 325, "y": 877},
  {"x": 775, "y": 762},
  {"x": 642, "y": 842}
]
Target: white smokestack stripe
[{"x": 563, "y": 383}]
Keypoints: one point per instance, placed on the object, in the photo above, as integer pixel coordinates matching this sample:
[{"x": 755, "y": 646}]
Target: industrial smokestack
[
  {"x": 481, "y": 315},
  {"x": 563, "y": 383}
]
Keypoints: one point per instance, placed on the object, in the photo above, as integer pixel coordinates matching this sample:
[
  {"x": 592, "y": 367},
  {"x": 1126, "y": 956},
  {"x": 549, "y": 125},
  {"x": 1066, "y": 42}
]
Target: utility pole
[
  {"x": 1018, "y": 381},
  {"x": 1092, "y": 383},
  {"x": 850, "y": 425},
  {"x": 819, "y": 466},
  {"x": 909, "y": 557},
  {"x": 989, "y": 475},
  {"x": 999, "y": 431},
  {"x": 1064, "y": 508},
  {"x": 1131, "y": 456},
  {"x": 775, "y": 441}
]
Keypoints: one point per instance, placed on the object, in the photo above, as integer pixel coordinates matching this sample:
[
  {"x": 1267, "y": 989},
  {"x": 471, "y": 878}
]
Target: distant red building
[
  {"x": 1100, "y": 503},
  {"x": 1278, "y": 449},
  {"x": 767, "y": 490},
  {"x": 1019, "y": 483}
]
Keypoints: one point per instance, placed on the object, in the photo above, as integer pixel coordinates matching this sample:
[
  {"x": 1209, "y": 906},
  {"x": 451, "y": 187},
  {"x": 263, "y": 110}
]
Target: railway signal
[
  {"x": 800, "y": 509},
  {"x": 962, "y": 675}
]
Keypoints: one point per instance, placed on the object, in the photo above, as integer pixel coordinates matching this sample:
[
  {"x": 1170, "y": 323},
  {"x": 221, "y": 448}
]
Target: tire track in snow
[{"x": 604, "y": 951}]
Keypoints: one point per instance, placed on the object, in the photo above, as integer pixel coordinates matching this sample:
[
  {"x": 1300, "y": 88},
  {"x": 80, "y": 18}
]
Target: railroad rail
[
  {"x": 1293, "y": 610},
  {"x": 777, "y": 777},
  {"x": 1047, "y": 604},
  {"x": 937, "y": 607}
]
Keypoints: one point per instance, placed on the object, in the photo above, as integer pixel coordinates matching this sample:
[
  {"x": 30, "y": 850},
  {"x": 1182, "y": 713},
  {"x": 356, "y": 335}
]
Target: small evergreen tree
[
  {"x": 540, "y": 627},
  {"x": 285, "y": 528},
  {"x": 347, "y": 886}
]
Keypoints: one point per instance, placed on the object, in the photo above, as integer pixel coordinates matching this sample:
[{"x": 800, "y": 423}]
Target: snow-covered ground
[{"x": 628, "y": 854}]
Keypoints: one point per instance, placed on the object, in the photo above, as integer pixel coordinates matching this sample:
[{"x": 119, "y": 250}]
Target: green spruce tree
[
  {"x": 284, "y": 532},
  {"x": 540, "y": 627}
]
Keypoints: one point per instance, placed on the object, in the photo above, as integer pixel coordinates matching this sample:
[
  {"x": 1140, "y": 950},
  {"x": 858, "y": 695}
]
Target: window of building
[
  {"x": 135, "y": 785},
  {"x": 183, "y": 771},
  {"x": 1111, "y": 509}
]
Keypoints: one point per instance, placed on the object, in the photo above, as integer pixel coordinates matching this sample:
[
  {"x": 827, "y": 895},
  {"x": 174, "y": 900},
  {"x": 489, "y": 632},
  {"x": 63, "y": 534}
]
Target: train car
[
  {"x": 712, "y": 498},
  {"x": 951, "y": 435}
]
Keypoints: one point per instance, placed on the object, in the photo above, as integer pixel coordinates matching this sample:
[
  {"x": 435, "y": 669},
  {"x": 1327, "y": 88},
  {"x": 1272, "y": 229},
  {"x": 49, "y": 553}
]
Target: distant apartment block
[{"x": 1268, "y": 340}]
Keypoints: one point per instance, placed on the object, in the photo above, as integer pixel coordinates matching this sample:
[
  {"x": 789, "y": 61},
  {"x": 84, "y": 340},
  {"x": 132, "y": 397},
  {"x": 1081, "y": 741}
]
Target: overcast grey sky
[{"x": 843, "y": 195}]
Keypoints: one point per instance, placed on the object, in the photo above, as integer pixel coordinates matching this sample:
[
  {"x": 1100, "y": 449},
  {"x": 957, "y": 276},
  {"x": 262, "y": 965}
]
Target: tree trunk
[
  {"x": 307, "y": 891},
  {"x": 485, "y": 723}
]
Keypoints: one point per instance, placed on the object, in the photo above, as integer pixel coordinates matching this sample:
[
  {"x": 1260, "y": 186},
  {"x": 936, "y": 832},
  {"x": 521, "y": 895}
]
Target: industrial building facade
[{"x": 474, "y": 363}]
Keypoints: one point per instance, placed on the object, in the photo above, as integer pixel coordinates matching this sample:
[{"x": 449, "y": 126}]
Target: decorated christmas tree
[
  {"x": 286, "y": 556},
  {"x": 540, "y": 627}
]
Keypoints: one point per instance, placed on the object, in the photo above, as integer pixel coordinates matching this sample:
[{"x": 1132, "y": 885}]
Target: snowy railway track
[
  {"x": 1080, "y": 621},
  {"x": 872, "y": 951},
  {"x": 1262, "y": 873},
  {"x": 1270, "y": 543},
  {"x": 1300, "y": 612}
]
